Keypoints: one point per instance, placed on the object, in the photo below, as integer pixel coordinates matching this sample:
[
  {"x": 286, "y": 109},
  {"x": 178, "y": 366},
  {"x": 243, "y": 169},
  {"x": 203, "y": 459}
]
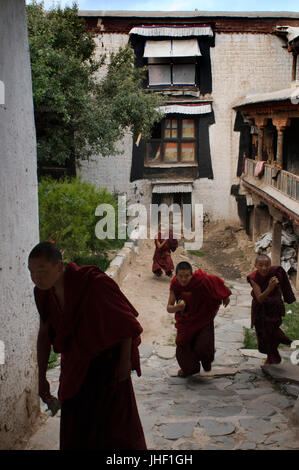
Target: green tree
[
  {"x": 67, "y": 216},
  {"x": 77, "y": 115}
]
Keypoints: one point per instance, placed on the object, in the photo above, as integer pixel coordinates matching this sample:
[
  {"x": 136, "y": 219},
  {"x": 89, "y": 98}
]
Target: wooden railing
[{"x": 285, "y": 182}]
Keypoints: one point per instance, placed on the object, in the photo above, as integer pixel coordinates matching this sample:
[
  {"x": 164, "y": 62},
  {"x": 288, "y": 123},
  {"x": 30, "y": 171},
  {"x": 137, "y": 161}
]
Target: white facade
[
  {"x": 19, "y": 401},
  {"x": 241, "y": 63}
]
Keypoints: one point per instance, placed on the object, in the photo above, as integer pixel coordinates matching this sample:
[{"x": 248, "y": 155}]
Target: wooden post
[
  {"x": 280, "y": 122},
  {"x": 260, "y": 122},
  {"x": 276, "y": 242},
  {"x": 279, "y": 154}
]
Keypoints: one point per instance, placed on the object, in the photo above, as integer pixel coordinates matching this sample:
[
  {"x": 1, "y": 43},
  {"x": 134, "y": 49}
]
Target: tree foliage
[
  {"x": 67, "y": 216},
  {"x": 76, "y": 114}
]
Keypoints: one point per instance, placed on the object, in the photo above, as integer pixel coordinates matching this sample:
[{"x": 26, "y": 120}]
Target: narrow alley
[{"x": 235, "y": 406}]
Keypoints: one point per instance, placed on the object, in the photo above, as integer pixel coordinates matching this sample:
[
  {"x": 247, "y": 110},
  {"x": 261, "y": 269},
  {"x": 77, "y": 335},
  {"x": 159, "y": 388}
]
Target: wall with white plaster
[
  {"x": 241, "y": 64},
  {"x": 19, "y": 402}
]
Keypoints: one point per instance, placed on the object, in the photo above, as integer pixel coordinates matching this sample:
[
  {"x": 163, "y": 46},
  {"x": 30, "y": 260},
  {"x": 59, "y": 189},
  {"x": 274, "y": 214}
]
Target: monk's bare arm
[
  {"x": 261, "y": 296},
  {"x": 160, "y": 245},
  {"x": 171, "y": 307}
]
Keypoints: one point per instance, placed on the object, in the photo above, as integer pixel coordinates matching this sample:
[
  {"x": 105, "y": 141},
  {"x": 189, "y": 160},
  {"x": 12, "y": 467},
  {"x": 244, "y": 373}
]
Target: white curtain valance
[
  {"x": 172, "y": 188},
  {"x": 185, "y": 109},
  {"x": 172, "y": 48},
  {"x": 172, "y": 31}
]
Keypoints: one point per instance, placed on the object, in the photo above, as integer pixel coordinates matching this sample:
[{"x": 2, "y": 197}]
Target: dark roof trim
[{"x": 188, "y": 14}]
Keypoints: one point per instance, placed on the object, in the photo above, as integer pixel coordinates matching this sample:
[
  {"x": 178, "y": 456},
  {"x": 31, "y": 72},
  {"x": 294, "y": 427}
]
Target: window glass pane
[
  {"x": 184, "y": 74},
  {"x": 187, "y": 128},
  {"x": 159, "y": 74},
  {"x": 170, "y": 152},
  {"x": 153, "y": 151},
  {"x": 188, "y": 152},
  {"x": 171, "y": 131}
]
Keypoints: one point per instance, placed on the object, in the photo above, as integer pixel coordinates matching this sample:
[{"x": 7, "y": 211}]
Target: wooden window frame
[
  {"x": 178, "y": 140},
  {"x": 172, "y": 62}
]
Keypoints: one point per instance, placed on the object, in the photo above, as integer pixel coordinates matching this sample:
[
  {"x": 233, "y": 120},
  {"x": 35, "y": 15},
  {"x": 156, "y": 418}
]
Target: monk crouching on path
[
  {"x": 195, "y": 299},
  {"x": 269, "y": 284},
  {"x": 87, "y": 319},
  {"x": 162, "y": 260}
]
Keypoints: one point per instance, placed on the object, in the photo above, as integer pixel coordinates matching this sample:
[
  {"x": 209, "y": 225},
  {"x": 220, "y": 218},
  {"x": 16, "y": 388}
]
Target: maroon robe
[
  {"x": 97, "y": 411},
  {"x": 162, "y": 259},
  {"x": 195, "y": 326},
  {"x": 266, "y": 317}
]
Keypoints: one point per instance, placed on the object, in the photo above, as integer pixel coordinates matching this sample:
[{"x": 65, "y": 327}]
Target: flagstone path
[{"x": 235, "y": 406}]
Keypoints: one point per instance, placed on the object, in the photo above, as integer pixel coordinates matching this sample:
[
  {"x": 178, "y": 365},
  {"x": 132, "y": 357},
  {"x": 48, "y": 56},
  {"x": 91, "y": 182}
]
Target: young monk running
[
  {"x": 195, "y": 299},
  {"x": 269, "y": 283},
  {"x": 162, "y": 260},
  {"x": 87, "y": 319}
]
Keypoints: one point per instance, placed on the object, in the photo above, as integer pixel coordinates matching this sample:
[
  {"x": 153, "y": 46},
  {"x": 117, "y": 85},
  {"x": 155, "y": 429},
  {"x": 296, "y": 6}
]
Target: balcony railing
[{"x": 287, "y": 183}]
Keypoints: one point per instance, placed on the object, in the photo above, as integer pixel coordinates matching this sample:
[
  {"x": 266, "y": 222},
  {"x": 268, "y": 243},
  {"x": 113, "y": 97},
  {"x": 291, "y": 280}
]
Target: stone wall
[
  {"x": 241, "y": 63},
  {"x": 19, "y": 402}
]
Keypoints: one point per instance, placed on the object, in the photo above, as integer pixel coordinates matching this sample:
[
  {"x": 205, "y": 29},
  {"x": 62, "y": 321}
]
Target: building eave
[{"x": 187, "y": 14}]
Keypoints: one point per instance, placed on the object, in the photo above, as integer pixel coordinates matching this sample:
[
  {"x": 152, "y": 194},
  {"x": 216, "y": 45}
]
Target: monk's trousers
[{"x": 200, "y": 349}]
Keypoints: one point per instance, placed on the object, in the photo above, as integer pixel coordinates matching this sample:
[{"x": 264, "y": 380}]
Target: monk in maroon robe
[
  {"x": 195, "y": 299},
  {"x": 269, "y": 284},
  {"x": 162, "y": 260},
  {"x": 87, "y": 319}
]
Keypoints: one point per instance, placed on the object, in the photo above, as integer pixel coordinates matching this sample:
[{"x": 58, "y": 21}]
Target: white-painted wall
[
  {"x": 19, "y": 402},
  {"x": 241, "y": 63}
]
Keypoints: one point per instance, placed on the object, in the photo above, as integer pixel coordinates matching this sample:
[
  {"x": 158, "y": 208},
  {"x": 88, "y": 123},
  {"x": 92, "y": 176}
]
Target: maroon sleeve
[
  {"x": 287, "y": 292},
  {"x": 110, "y": 319},
  {"x": 217, "y": 288}
]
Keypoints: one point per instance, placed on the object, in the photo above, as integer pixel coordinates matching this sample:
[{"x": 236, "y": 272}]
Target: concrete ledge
[{"x": 124, "y": 258}]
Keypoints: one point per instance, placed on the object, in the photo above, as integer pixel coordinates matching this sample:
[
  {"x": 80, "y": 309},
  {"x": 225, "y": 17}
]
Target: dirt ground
[{"x": 226, "y": 252}]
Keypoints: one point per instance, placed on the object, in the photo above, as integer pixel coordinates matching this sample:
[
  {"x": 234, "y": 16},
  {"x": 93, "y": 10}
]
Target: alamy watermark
[
  {"x": 135, "y": 221},
  {"x": 294, "y": 357},
  {"x": 295, "y": 95},
  {"x": 2, "y": 353},
  {"x": 2, "y": 93}
]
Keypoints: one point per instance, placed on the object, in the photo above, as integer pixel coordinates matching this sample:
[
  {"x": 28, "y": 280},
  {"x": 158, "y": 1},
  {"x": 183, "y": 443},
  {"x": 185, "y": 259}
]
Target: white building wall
[
  {"x": 241, "y": 63},
  {"x": 19, "y": 401}
]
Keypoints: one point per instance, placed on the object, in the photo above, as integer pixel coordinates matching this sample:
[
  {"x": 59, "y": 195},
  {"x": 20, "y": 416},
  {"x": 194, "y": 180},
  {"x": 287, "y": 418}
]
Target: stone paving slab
[
  {"x": 282, "y": 373},
  {"x": 252, "y": 353},
  {"x": 216, "y": 427}
]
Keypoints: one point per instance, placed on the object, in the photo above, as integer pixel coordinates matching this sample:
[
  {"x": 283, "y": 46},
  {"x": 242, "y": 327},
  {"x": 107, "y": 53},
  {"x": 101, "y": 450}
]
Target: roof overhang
[
  {"x": 188, "y": 14},
  {"x": 288, "y": 94}
]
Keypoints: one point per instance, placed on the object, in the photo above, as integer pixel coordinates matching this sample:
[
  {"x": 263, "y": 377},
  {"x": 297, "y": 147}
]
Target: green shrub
[
  {"x": 290, "y": 322},
  {"x": 67, "y": 216},
  {"x": 101, "y": 261},
  {"x": 196, "y": 252},
  {"x": 53, "y": 359},
  {"x": 250, "y": 340},
  {"x": 290, "y": 325}
]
